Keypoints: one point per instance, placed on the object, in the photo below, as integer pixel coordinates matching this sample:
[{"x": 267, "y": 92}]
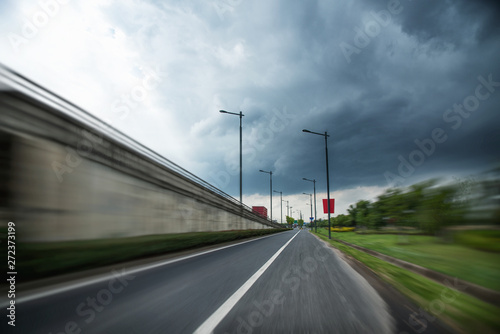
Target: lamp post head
[
  {"x": 231, "y": 113},
  {"x": 317, "y": 133}
]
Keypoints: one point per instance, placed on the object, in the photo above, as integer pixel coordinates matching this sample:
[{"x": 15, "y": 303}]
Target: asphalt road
[{"x": 246, "y": 288}]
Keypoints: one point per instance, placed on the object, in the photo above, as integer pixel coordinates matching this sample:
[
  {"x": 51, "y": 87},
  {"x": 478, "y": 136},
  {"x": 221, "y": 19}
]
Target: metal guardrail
[{"x": 11, "y": 80}]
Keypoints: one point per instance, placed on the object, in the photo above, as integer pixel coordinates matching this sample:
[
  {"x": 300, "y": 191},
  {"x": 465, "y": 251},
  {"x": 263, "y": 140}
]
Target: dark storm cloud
[
  {"x": 396, "y": 91},
  {"x": 451, "y": 21},
  {"x": 376, "y": 82}
]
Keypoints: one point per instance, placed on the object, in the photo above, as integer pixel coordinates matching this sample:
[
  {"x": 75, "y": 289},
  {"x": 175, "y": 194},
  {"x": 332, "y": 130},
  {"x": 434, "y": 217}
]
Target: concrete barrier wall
[{"x": 69, "y": 181}]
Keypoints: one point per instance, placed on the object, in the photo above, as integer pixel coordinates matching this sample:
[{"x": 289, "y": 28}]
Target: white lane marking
[
  {"x": 106, "y": 277},
  {"x": 209, "y": 325}
]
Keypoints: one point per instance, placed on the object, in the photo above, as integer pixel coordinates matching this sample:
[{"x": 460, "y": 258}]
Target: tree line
[{"x": 429, "y": 206}]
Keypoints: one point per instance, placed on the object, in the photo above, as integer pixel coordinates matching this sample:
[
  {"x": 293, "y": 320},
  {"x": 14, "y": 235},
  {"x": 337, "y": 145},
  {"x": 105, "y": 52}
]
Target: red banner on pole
[{"x": 332, "y": 205}]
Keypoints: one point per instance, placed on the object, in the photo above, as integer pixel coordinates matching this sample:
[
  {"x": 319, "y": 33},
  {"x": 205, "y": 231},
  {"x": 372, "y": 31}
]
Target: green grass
[
  {"x": 465, "y": 313},
  {"x": 392, "y": 231},
  {"x": 40, "y": 260},
  {"x": 488, "y": 241},
  {"x": 454, "y": 259}
]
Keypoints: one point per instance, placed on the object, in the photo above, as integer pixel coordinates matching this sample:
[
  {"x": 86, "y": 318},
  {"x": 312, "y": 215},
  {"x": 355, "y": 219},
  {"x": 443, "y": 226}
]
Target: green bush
[
  {"x": 485, "y": 240},
  {"x": 342, "y": 229}
]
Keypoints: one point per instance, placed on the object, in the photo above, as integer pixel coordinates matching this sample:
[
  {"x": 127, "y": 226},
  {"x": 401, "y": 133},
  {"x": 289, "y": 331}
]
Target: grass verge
[
  {"x": 453, "y": 259},
  {"x": 41, "y": 260},
  {"x": 394, "y": 231},
  {"x": 488, "y": 241},
  {"x": 462, "y": 312}
]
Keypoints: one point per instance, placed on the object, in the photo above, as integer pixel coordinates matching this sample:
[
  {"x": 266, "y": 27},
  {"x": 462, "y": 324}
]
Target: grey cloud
[
  {"x": 451, "y": 21},
  {"x": 394, "y": 91}
]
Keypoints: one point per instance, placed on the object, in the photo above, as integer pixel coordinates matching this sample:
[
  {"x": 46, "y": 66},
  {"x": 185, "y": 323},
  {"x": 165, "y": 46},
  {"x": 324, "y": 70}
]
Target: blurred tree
[
  {"x": 352, "y": 214},
  {"x": 374, "y": 218},
  {"x": 391, "y": 206},
  {"x": 438, "y": 210},
  {"x": 487, "y": 200},
  {"x": 342, "y": 220},
  {"x": 322, "y": 223},
  {"x": 413, "y": 199},
  {"x": 362, "y": 212},
  {"x": 430, "y": 207}
]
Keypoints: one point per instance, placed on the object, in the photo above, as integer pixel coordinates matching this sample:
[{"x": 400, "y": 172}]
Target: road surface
[{"x": 289, "y": 282}]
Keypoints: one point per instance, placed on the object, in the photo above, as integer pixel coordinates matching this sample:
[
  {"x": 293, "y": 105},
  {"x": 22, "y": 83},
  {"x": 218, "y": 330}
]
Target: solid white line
[
  {"x": 209, "y": 325},
  {"x": 108, "y": 276}
]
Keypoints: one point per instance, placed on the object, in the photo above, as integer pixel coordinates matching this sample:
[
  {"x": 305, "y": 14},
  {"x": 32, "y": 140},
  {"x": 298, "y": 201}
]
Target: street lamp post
[
  {"x": 327, "y": 176},
  {"x": 315, "y": 213},
  {"x": 311, "y": 202},
  {"x": 281, "y": 205},
  {"x": 270, "y": 189},
  {"x": 241, "y": 159},
  {"x": 286, "y": 209}
]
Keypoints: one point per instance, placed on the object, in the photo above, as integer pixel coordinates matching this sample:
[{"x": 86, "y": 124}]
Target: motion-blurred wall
[{"x": 64, "y": 180}]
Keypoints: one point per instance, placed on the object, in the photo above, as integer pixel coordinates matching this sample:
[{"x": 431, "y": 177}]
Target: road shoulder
[{"x": 401, "y": 308}]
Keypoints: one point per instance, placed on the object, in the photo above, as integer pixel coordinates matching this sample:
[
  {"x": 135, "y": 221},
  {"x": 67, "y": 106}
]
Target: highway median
[{"x": 48, "y": 259}]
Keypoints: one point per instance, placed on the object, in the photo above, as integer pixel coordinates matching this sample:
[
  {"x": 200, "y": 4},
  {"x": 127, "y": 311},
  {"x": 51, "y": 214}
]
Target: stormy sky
[{"x": 407, "y": 90}]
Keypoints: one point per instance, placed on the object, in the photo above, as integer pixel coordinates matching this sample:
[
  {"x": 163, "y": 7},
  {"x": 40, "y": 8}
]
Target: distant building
[{"x": 260, "y": 210}]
